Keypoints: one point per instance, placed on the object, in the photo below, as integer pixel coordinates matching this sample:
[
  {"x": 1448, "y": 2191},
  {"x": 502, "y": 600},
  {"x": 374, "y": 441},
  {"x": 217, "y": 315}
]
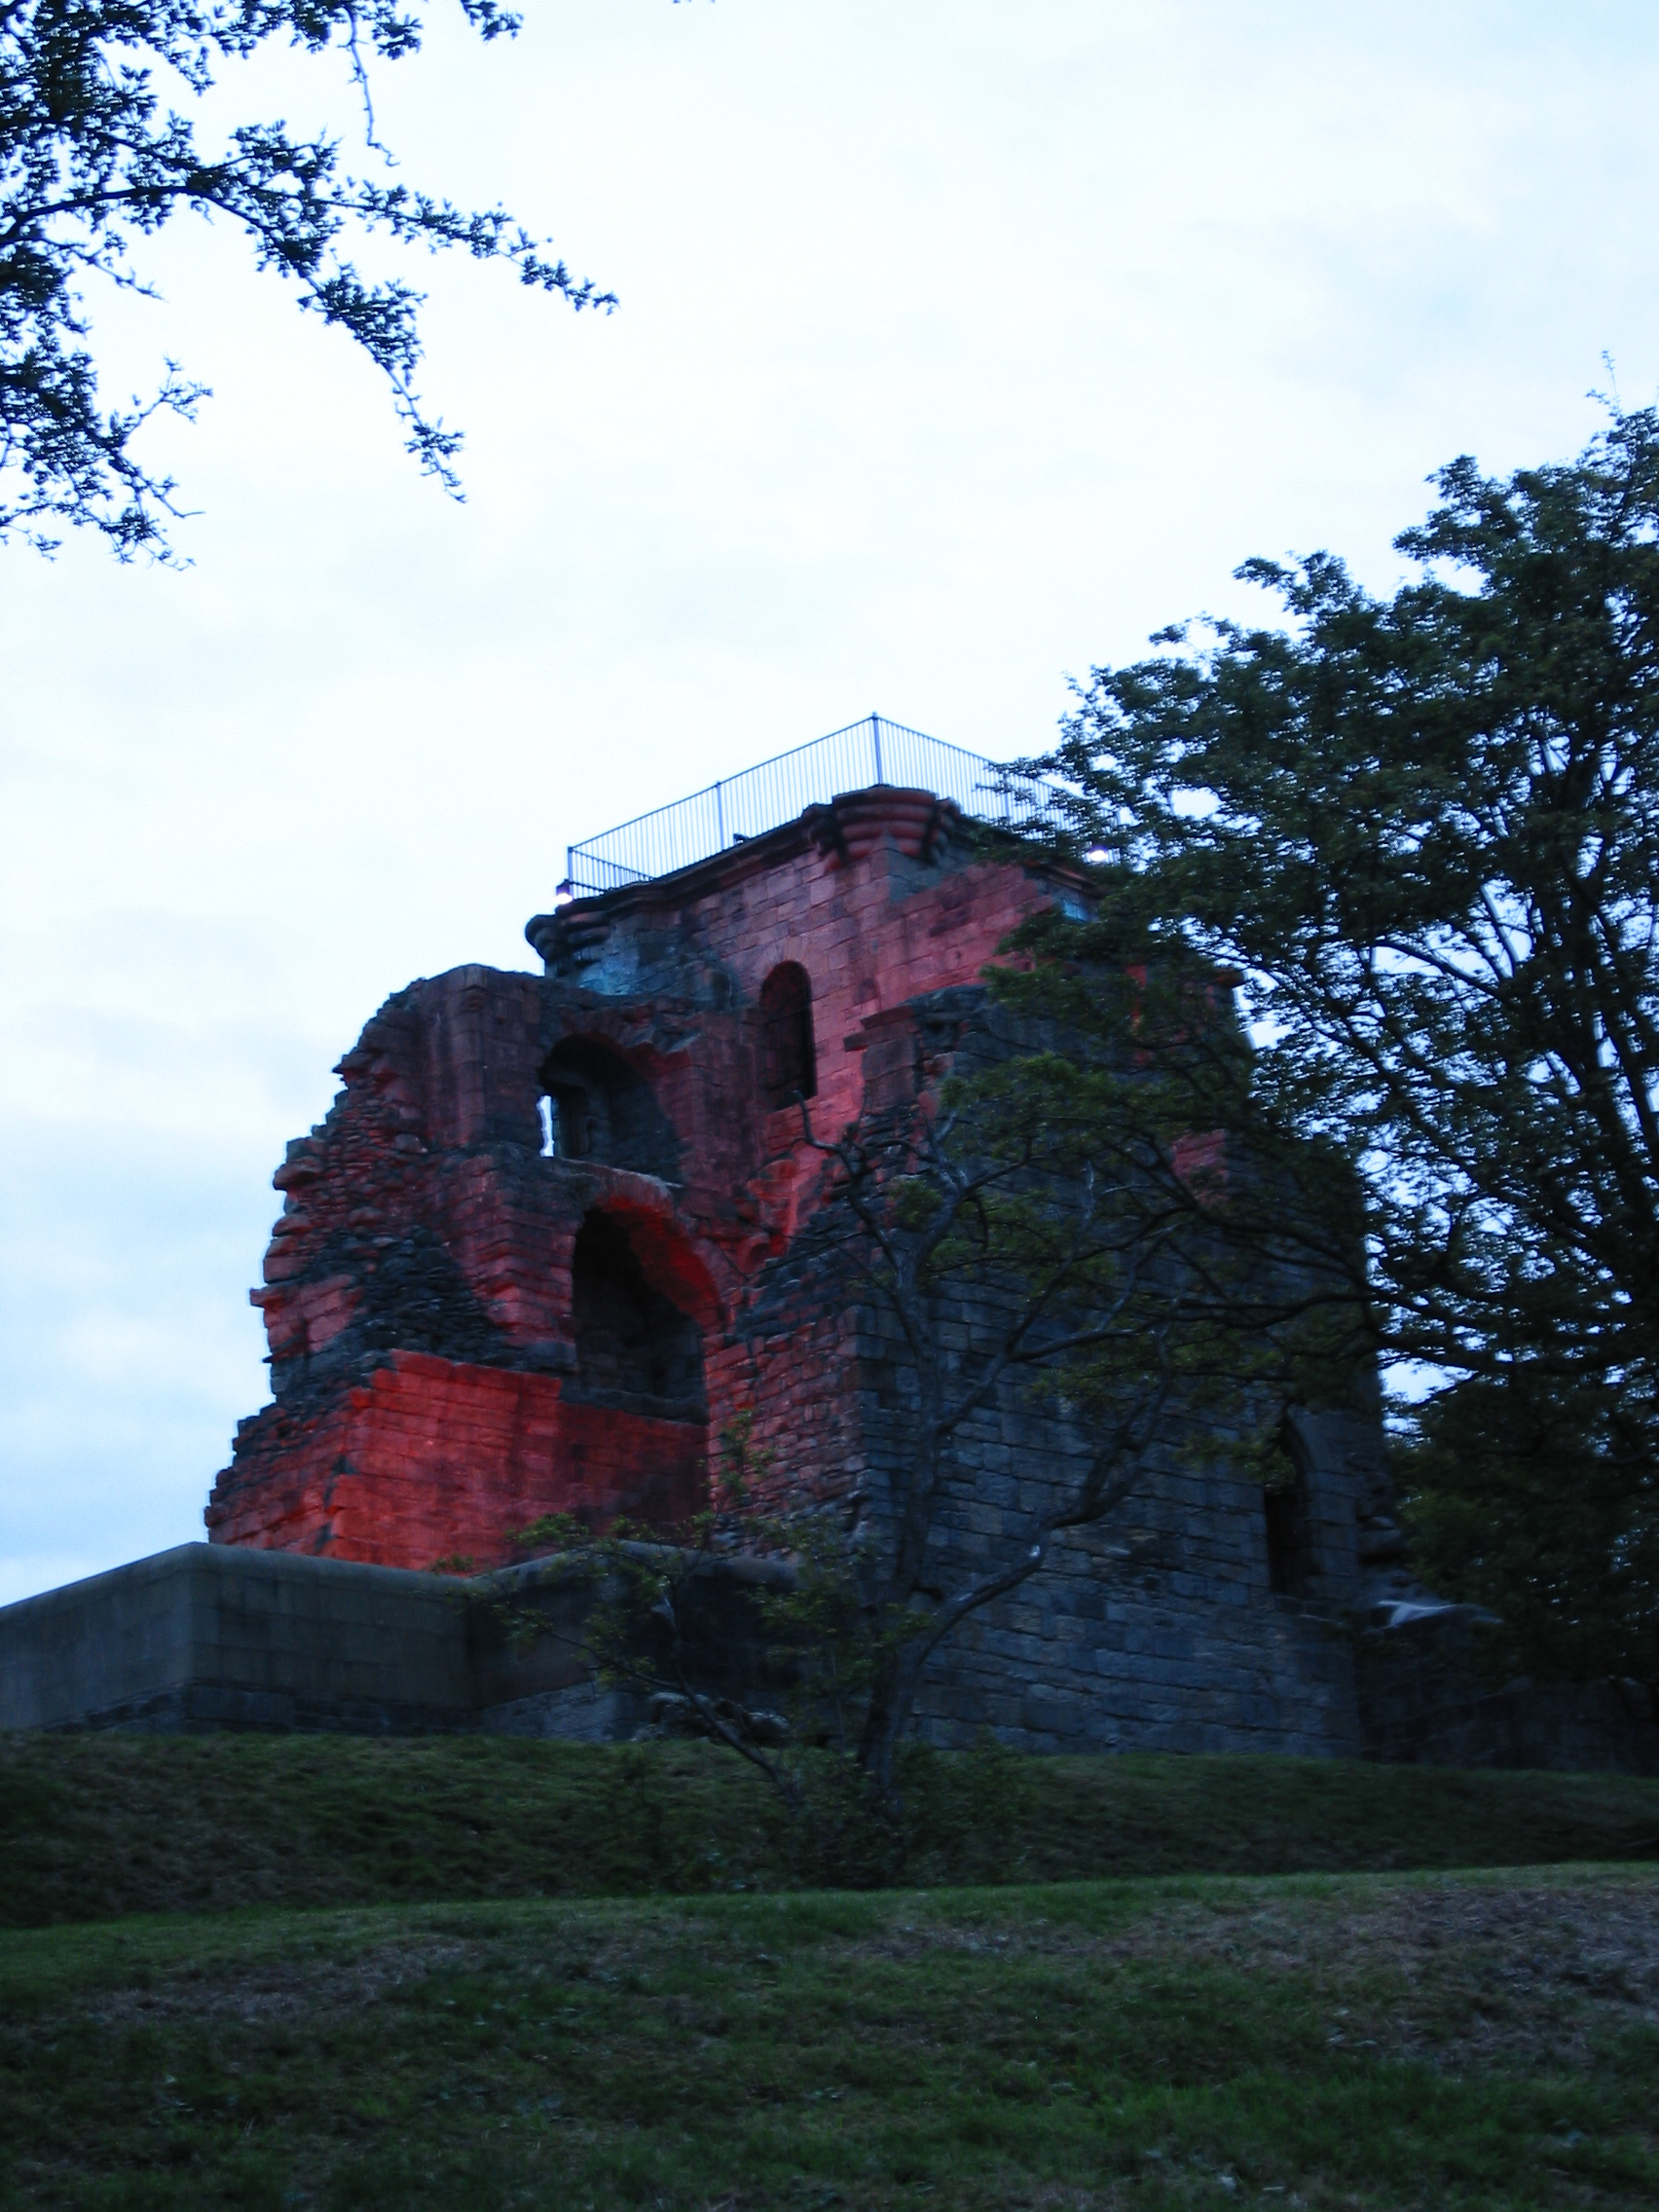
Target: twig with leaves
[{"x": 89, "y": 157}]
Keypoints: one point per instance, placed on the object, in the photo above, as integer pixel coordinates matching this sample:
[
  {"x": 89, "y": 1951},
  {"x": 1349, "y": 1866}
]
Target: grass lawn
[
  {"x": 333, "y": 1973},
  {"x": 1478, "y": 2038},
  {"x": 97, "y": 1826}
]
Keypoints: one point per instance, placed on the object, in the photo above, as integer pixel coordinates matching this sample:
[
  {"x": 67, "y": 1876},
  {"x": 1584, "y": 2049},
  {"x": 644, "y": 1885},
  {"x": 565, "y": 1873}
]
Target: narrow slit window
[
  {"x": 788, "y": 1064},
  {"x": 1282, "y": 1509}
]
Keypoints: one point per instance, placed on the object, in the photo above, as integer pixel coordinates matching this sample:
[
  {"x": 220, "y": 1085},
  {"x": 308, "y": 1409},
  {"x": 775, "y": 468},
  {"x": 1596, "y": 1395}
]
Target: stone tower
[{"x": 542, "y": 1254}]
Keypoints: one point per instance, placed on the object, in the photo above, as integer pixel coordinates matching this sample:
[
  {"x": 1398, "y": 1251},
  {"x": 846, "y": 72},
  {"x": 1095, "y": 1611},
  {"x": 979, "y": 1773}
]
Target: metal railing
[{"x": 746, "y": 805}]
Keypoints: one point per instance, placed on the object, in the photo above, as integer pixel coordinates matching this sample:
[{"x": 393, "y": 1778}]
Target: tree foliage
[
  {"x": 1425, "y": 831},
  {"x": 1530, "y": 1495},
  {"x": 93, "y": 156}
]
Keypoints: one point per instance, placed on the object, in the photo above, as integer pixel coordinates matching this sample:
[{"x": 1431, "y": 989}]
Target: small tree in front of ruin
[
  {"x": 1104, "y": 1260},
  {"x": 1043, "y": 1227}
]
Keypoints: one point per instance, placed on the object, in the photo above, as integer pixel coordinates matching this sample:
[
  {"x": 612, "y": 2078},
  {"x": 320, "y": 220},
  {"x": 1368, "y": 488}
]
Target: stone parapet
[
  {"x": 205, "y": 1635},
  {"x": 219, "y": 1636}
]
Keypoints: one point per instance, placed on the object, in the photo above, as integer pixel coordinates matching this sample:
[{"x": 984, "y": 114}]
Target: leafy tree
[
  {"x": 1424, "y": 829},
  {"x": 91, "y": 157}
]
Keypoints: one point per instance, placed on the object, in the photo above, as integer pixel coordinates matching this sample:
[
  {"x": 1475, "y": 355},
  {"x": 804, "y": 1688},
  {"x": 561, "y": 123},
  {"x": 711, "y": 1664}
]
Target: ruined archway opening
[
  {"x": 596, "y": 1105},
  {"x": 789, "y": 1058},
  {"x": 635, "y": 1349}
]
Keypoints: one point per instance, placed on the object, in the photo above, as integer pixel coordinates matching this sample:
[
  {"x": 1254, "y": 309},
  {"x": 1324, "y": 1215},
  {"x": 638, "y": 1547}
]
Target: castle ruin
[{"x": 544, "y": 1252}]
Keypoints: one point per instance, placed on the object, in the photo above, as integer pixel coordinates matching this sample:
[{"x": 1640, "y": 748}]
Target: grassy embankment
[
  {"x": 96, "y": 1826},
  {"x": 1342, "y": 2038}
]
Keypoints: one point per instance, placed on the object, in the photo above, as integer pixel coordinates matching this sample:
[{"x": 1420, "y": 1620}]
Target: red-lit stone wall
[
  {"x": 428, "y": 1389},
  {"x": 430, "y": 1459}
]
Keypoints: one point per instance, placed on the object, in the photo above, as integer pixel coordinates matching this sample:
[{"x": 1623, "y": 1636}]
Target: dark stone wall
[
  {"x": 208, "y": 1636},
  {"x": 1157, "y": 1629}
]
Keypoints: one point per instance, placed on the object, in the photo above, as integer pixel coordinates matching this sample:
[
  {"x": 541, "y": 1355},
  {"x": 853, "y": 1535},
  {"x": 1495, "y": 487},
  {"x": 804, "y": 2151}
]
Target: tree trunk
[{"x": 893, "y": 1697}]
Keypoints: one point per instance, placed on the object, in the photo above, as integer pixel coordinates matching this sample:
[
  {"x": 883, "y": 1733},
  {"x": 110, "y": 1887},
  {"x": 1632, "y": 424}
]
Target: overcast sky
[{"x": 960, "y": 346}]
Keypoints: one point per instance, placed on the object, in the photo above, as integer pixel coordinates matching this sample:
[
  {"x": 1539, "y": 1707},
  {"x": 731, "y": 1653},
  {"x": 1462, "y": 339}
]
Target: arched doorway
[{"x": 635, "y": 1349}]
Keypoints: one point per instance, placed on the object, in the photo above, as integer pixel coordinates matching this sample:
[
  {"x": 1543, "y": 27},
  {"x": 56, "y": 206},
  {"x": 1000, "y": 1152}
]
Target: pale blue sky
[{"x": 960, "y": 347}]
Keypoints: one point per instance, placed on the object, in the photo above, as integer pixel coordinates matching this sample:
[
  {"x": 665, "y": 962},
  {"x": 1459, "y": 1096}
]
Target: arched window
[
  {"x": 1285, "y": 1506},
  {"x": 788, "y": 1066},
  {"x": 597, "y": 1106}
]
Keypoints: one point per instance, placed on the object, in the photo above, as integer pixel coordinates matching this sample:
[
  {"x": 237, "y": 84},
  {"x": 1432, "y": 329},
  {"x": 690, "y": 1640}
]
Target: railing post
[
  {"x": 875, "y": 733},
  {"x": 720, "y": 819}
]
